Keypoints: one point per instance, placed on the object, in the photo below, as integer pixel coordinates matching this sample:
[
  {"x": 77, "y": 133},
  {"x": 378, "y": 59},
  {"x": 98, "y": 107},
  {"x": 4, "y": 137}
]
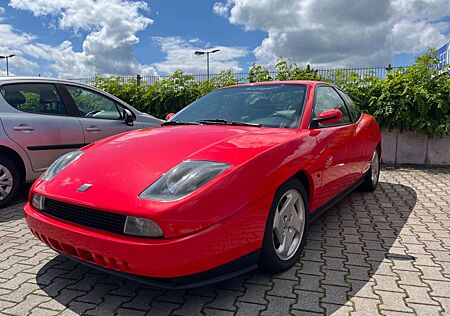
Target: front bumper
[
  {"x": 211, "y": 254},
  {"x": 227, "y": 271}
]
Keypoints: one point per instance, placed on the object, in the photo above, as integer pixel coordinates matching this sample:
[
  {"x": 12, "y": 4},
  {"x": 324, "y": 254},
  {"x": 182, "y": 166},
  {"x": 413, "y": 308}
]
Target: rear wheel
[
  {"x": 286, "y": 228},
  {"x": 9, "y": 181},
  {"x": 373, "y": 174}
]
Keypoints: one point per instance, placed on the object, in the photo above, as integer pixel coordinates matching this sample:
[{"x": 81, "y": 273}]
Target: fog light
[
  {"x": 141, "y": 227},
  {"x": 38, "y": 202}
]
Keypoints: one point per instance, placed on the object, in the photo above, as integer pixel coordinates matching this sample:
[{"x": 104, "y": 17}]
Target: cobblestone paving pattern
[{"x": 381, "y": 253}]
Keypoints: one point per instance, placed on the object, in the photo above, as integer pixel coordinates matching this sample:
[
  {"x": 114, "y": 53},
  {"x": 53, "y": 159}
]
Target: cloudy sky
[{"x": 78, "y": 38}]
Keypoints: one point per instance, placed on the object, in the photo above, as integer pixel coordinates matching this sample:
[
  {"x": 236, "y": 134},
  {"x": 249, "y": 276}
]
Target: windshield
[{"x": 274, "y": 105}]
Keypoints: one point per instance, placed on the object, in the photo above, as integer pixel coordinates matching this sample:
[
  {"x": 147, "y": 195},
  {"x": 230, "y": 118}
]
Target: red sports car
[{"x": 230, "y": 183}]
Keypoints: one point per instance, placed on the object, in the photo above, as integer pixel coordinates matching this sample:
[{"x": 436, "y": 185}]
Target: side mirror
[
  {"x": 328, "y": 117},
  {"x": 128, "y": 117},
  {"x": 169, "y": 116}
]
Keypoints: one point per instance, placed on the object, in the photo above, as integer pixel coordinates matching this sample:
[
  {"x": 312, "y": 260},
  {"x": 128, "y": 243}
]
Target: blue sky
[{"x": 63, "y": 38}]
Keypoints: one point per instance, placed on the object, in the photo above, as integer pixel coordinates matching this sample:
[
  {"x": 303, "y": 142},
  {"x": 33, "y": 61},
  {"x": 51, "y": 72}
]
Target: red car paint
[{"x": 221, "y": 221}]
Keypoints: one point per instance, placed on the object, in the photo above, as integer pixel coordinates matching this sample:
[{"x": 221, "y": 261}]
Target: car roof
[
  {"x": 303, "y": 82},
  {"x": 23, "y": 78},
  {"x": 4, "y": 79}
]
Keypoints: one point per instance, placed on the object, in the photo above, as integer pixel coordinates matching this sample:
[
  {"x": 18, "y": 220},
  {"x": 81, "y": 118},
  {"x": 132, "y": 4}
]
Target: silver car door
[
  {"x": 40, "y": 122},
  {"x": 99, "y": 115}
]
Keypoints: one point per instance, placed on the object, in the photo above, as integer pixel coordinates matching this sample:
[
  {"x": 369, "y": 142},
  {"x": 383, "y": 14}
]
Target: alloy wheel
[
  {"x": 6, "y": 182},
  {"x": 375, "y": 167},
  {"x": 288, "y": 224}
]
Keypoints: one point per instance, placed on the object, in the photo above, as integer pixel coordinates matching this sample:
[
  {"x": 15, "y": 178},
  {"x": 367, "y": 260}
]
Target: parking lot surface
[{"x": 381, "y": 253}]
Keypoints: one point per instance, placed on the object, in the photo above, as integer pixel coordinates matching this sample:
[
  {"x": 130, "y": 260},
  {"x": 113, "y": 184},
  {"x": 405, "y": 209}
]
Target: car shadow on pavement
[
  {"x": 13, "y": 211},
  {"x": 346, "y": 247}
]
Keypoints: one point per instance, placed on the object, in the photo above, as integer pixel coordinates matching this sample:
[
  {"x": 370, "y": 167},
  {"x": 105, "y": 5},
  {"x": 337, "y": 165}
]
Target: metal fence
[{"x": 242, "y": 77}]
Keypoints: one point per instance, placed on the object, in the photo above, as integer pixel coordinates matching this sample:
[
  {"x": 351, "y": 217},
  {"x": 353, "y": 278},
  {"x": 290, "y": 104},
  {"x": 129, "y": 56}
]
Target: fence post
[
  {"x": 138, "y": 80},
  {"x": 389, "y": 68}
]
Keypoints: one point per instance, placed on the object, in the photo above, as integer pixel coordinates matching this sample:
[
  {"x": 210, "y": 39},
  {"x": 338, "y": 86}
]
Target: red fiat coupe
[{"x": 229, "y": 183}]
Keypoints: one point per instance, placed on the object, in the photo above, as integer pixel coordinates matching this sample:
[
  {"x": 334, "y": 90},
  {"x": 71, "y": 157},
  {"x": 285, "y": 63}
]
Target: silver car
[{"x": 41, "y": 119}]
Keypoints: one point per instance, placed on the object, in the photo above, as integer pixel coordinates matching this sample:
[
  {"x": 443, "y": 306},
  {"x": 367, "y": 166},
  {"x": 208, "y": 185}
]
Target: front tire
[
  {"x": 286, "y": 228},
  {"x": 9, "y": 181}
]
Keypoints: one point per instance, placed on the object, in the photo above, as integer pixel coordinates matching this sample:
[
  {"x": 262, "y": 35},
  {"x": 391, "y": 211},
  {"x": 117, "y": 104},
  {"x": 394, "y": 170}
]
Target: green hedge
[{"x": 415, "y": 98}]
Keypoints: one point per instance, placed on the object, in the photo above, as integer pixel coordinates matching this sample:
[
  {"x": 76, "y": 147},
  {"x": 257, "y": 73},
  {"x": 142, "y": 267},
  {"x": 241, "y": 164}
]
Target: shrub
[{"x": 415, "y": 98}]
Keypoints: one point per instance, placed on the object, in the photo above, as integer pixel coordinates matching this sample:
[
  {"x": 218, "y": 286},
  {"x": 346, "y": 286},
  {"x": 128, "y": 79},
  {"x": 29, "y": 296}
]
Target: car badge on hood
[{"x": 84, "y": 187}]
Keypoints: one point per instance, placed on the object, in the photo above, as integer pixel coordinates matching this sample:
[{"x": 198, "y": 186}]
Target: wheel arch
[
  {"x": 16, "y": 159},
  {"x": 306, "y": 180}
]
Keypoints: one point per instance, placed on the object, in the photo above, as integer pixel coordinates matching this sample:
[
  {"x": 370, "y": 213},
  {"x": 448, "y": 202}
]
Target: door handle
[
  {"x": 23, "y": 128},
  {"x": 93, "y": 129}
]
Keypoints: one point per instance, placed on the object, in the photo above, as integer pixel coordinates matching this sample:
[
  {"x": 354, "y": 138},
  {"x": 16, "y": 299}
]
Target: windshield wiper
[
  {"x": 175, "y": 122},
  {"x": 226, "y": 122}
]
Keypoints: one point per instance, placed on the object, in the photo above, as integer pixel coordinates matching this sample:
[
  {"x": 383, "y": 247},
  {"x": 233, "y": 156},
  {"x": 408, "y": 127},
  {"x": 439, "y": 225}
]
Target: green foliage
[
  {"x": 290, "y": 71},
  {"x": 223, "y": 79},
  {"x": 171, "y": 94},
  {"x": 415, "y": 98},
  {"x": 128, "y": 91},
  {"x": 258, "y": 74}
]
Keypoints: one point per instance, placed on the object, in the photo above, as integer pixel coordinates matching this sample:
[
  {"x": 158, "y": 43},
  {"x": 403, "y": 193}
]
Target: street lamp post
[
  {"x": 199, "y": 52},
  {"x": 7, "y": 64}
]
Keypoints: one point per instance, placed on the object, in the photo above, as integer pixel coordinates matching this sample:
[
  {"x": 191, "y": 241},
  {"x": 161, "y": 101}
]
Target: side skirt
[{"x": 322, "y": 209}]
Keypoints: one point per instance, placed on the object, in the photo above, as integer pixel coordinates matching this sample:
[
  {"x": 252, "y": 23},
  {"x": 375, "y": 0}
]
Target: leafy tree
[
  {"x": 290, "y": 71},
  {"x": 127, "y": 90},
  {"x": 258, "y": 74}
]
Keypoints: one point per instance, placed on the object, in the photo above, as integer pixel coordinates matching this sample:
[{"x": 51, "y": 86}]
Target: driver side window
[
  {"x": 328, "y": 99},
  {"x": 93, "y": 105}
]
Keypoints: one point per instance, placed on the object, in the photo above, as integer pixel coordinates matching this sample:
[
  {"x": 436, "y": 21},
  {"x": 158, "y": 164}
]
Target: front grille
[{"x": 85, "y": 216}]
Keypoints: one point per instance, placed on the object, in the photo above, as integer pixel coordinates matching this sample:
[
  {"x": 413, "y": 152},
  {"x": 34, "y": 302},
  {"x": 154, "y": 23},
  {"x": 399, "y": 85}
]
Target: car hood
[{"x": 126, "y": 164}]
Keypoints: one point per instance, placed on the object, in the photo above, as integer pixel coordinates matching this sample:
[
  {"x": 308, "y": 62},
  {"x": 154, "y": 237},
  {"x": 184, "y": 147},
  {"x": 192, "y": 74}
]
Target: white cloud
[
  {"x": 417, "y": 24},
  {"x": 407, "y": 39},
  {"x": 421, "y": 9},
  {"x": 339, "y": 33},
  {"x": 221, "y": 9},
  {"x": 180, "y": 56},
  {"x": 40, "y": 7},
  {"x": 20, "y": 44},
  {"x": 108, "y": 47}
]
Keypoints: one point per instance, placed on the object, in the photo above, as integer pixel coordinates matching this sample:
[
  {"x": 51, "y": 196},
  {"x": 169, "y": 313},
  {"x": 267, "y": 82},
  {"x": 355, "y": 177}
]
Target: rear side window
[
  {"x": 352, "y": 107},
  {"x": 40, "y": 98},
  {"x": 328, "y": 99}
]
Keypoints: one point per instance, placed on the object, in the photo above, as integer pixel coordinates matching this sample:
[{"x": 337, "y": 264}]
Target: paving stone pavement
[{"x": 381, "y": 253}]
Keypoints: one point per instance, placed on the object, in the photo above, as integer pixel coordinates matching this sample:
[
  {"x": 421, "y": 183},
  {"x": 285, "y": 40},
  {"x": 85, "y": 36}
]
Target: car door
[
  {"x": 100, "y": 116},
  {"x": 40, "y": 122},
  {"x": 334, "y": 144},
  {"x": 361, "y": 153}
]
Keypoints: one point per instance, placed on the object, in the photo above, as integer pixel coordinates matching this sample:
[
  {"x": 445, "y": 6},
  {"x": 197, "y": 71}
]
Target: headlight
[
  {"x": 141, "y": 227},
  {"x": 60, "y": 164},
  {"x": 38, "y": 201},
  {"x": 183, "y": 179}
]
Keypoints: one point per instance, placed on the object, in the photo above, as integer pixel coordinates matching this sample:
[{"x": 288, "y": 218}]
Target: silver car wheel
[
  {"x": 375, "y": 167},
  {"x": 288, "y": 224},
  {"x": 6, "y": 182}
]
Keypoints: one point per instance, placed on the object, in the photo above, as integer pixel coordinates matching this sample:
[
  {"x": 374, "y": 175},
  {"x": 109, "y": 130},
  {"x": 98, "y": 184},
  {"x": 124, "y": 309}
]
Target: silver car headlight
[
  {"x": 183, "y": 179},
  {"x": 60, "y": 164}
]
